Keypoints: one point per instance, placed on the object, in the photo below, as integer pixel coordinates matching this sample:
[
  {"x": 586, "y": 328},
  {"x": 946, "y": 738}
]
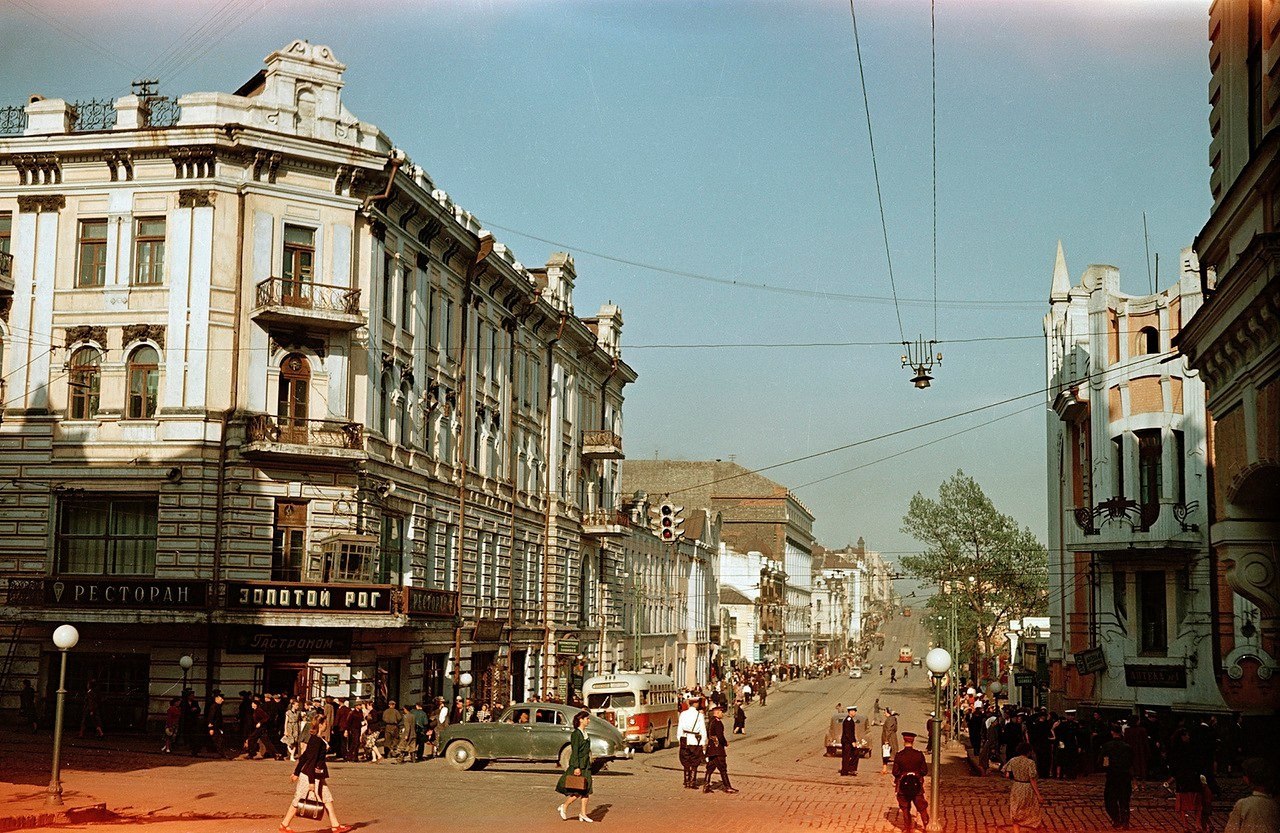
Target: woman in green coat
[{"x": 579, "y": 765}]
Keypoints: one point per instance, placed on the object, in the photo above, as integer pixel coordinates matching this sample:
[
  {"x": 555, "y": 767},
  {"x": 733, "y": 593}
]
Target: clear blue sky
[{"x": 728, "y": 138}]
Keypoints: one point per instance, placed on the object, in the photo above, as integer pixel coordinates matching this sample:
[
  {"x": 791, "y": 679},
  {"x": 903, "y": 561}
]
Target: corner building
[
  {"x": 1131, "y": 590},
  {"x": 272, "y": 400}
]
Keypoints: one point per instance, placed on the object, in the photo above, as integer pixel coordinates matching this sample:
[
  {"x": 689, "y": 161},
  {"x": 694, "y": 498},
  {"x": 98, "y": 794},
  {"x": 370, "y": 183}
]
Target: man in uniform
[
  {"x": 849, "y": 743},
  {"x": 1117, "y": 762},
  {"x": 717, "y": 754},
  {"x": 833, "y": 730},
  {"x": 909, "y": 771},
  {"x": 390, "y": 727},
  {"x": 693, "y": 738},
  {"x": 1067, "y": 751},
  {"x": 214, "y": 721}
]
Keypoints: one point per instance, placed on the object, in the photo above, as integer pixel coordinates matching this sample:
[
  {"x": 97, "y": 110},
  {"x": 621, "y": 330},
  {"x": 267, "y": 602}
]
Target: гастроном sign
[
  {"x": 320, "y": 598},
  {"x": 131, "y": 594}
]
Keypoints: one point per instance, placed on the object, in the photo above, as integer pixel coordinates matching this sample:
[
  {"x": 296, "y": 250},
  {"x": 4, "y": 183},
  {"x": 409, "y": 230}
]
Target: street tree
[{"x": 987, "y": 568}]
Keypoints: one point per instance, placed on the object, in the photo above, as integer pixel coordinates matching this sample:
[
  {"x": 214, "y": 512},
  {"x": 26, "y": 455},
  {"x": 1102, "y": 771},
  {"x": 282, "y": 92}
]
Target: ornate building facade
[{"x": 275, "y": 402}]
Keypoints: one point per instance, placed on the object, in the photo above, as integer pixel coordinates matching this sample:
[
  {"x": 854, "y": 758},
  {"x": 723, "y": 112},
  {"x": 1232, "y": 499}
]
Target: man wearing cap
[
  {"x": 849, "y": 743},
  {"x": 1117, "y": 792},
  {"x": 693, "y": 738},
  {"x": 1067, "y": 745},
  {"x": 215, "y": 724},
  {"x": 909, "y": 771},
  {"x": 717, "y": 746}
]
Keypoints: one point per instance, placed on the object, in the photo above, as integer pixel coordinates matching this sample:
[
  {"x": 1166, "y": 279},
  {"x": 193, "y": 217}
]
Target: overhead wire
[
  {"x": 75, "y": 34},
  {"x": 246, "y": 10},
  {"x": 875, "y": 170},
  {"x": 933, "y": 66},
  {"x": 185, "y": 39}
]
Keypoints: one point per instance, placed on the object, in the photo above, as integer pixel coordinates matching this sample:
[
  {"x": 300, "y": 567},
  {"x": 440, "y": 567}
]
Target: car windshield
[{"x": 614, "y": 700}]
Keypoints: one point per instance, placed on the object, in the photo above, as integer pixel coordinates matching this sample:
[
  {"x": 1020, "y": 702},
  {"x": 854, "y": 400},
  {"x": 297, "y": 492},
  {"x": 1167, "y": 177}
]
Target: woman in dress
[
  {"x": 1024, "y": 794},
  {"x": 579, "y": 765},
  {"x": 739, "y": 718},
  {"x": 311, "y": 774}
]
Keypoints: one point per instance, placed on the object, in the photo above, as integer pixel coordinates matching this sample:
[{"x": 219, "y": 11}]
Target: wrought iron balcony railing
[
  {"x": 313, "y": 433},
  {"x": 304, "y": 295}
]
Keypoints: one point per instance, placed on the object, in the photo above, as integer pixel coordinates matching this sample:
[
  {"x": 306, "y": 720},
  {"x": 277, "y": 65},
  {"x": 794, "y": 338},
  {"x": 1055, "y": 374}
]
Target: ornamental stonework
[
  {"x": 144, "y": 332},
  {"x": 41, "y": 202},
  {"x": 193, "y": 198},
  {"x": 75, "y": 335}
]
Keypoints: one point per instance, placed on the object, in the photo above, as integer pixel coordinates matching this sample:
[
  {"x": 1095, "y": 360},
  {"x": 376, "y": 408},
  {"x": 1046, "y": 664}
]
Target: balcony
[
  {"x": 302, "y": 304},
  {"x": 605, "y": 523},
  {"x": 1122, "y": 525},
  {"x": 601, "y": 445},
  {"x": 314, "y": 440}
]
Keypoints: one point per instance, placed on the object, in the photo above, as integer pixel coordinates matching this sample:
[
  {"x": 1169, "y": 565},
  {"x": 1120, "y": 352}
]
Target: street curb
[{"x": 50, "y": 818}]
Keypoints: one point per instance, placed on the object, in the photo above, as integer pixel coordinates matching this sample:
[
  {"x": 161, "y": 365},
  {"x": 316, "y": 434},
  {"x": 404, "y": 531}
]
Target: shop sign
[
  {"x": 1091, "y": 661},
  {"x": 1024, "y": 678},
  {"x": 301, "y": 641},
  {"x": 1155, "y": 676},
  {"x": 320, "y": 598},
  {"x": 488, "y": 630},
  {"x": 424, "y": 602},
  {"x": 567, "y": 647},
  {"x": 129, "y": 594}
]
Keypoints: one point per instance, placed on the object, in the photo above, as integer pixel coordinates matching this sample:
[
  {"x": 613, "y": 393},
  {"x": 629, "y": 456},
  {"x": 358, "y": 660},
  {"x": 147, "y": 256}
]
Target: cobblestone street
[{"x": 786, "y": 783}]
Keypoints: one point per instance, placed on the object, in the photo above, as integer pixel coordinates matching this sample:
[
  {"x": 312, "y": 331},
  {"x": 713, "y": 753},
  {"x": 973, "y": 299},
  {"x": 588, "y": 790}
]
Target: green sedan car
[{"x": 529, "y": 732}]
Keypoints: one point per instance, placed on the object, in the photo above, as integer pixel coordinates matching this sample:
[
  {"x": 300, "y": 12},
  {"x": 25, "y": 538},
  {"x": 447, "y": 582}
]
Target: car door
[
  {"x": 517, "y": 726},
  {"x": 549, "y": 732}
]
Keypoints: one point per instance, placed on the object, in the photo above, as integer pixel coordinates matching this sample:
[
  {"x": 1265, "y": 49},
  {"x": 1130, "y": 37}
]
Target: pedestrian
[
  {"x": 1257, "y": 812},
  {"x": 391, "y": 728},
  {"x": 1067, "y": 748},
  {"x": 764, "y": 693},
  {"x": 888, "y": 739},
  {"x": 172, "y": 720},
  {"x": 260, "y": 734},
  {"x": 422, "y": 730},
  {"x": 291, "y": 736},
  {"x": 245, "y": 716},
  {"x": 91, "y": 714},
  {"x": 407, "y": 741},
  {"x": 1136, "y": 736},
  {"x": 27, "y": 705},
  {"x": 693, "y": 738},
  {"x": 575, "y": 783},
  {"x": 739, "y": 718},
  {"x": 215, "y": 725},
  {"x": 1193, "y": 801},
  {"x": 1117, "y": 759},
  {"x": 717, "y": 750},
  {"x": 338, "y": 737},
  {"x": 353, "y": 733},
  {"x": 1024, "y": 793},
  {"x": 849, "y": 742},
  {"x": 311, "y": 774},
  {"x": 833, "y": 731},
  {"x": 909, "y": 770},
  {"x": 192, "y": 727}
]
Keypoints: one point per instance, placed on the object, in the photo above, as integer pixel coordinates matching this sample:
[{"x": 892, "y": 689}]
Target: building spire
[{"x": 1061, "y": 278}]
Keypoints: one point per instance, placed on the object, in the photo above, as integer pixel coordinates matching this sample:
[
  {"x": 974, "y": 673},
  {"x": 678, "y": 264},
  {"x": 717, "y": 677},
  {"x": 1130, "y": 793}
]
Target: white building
[
  {"x": 276, "y": 402},
  {"x": 1131, "y": 584}
]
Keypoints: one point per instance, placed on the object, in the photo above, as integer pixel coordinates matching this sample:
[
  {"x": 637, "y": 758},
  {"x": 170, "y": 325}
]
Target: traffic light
[{"x": 669, "y": 521}]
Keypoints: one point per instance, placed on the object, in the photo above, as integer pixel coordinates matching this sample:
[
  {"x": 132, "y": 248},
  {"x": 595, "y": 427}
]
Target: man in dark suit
[
  {"x": 849, "y": 743},
  {"x": 909, "y": 771},
  {"x": 717, "y": 750},
  {"x": 215, "y": 723}
]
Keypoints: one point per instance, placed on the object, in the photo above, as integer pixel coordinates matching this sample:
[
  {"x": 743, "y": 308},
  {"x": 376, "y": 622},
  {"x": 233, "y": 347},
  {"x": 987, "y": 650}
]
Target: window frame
[
  {"x": 1153, "y": 630},
  {"x": 297, "y": 263},
  {"x": 6, "y": 232},
  {"x": 98, "y": 247},
  {"x": 1150, "y": 465},
  {"x": 388, "y": 286},
  {"x": 289, "y": 541},
  {"x": 409, "y": 278},
  {"x": 91, "y": 400},
  {"x": 113, "y": 503},
  {"x": 151, "y": 394},
  {"x": 155, "y": 246}
]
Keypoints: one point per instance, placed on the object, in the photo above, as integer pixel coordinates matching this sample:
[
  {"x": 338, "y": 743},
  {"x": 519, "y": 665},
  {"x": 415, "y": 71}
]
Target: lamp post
[
  {"x": 938, "y": 661},
  {"x": 185, "y": 664},
  {"x": 65, "y": 638}
]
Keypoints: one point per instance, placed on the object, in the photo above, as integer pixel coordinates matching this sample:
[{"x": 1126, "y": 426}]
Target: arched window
[
  {"x": 292, "y": 402},
  {"x": 1149, "y": 341},
  {"x": 144, "y": 382},
  {"x": 406, "y": 428},
  {"x": 84, "y": 381}
]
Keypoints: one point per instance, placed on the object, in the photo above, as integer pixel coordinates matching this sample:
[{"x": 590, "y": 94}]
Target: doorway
[{"x": 519, "y": 671}]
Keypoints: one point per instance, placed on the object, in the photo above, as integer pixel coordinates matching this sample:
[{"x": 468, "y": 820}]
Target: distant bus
[
  {"x": 904, "y": 654},
  {"x": 906, "y": 611}
]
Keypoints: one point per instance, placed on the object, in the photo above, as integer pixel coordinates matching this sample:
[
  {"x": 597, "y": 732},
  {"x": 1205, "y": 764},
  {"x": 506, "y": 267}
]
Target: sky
[{"x": 729, "y": 140}]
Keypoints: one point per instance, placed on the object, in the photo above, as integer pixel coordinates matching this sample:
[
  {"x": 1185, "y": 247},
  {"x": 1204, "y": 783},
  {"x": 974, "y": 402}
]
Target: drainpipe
[
  {"x": 396, "y": 157},
  {"x": 546, "y": 535},
  {"x": 220, "y": 502},
  {"x": 474, "y": 270}
]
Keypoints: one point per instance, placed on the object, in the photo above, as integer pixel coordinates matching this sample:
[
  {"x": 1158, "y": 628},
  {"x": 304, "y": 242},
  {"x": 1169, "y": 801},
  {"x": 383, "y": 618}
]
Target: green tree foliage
[{"x": 977, "y": 557}]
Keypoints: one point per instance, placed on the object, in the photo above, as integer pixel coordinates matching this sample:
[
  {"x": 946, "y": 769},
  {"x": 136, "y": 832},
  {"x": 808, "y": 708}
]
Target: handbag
[
  {"x": 575, "y": 782},
  {"x": 310, "y": 807}
]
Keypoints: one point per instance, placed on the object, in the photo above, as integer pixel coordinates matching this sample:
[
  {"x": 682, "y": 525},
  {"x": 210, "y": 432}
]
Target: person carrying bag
[
  {"x": 575, "y": 783},
  {"x": 312, "y": 797}
]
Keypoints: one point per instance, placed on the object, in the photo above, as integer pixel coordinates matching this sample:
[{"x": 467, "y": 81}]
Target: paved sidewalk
[{"x": 23, "y": 807}]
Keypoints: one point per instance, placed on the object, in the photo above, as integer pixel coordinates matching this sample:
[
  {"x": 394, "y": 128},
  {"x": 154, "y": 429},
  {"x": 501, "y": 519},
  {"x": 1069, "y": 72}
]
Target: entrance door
[
  {"x": 482, "y": 674},
  {"x": 291, "y": 404},
  {"x": 432, "y": 678},
  {"x": 120, "y": 683},
  {"x": 519, "y": 670},
  {"x": 386, "y": 683},
  {"x": 285, "y": 676}
]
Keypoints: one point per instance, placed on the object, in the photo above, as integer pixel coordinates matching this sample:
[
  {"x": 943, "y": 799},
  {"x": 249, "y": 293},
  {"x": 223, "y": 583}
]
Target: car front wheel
[{"x": 461, "y": 755}]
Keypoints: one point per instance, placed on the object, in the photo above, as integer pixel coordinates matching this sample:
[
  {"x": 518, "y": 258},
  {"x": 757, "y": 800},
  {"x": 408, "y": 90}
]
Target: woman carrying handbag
[
  {"x": 576, "y": 781},
  {"x": 312, "y": 798}
]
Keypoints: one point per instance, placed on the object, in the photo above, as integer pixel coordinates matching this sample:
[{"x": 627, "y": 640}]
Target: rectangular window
[
  {"x": 450, "y": 550},
  {"x": 1118, "y": 456},
  {"x": 1149, "y": 466},
  {"x": 289, "y": 545},
  {"x": 107, "y": 535},
  {"x": 433, "y": 329},
  {"x": 495, "y": 345},
  {"x": 393, "y": 543},
  {"x": 478, "y": 348},
  {"x": 406, "y": 299},
  {"x": 1153, "y": 612},
  {"x": 298, "y": 265},
  {"x": 93, "y": 253},
  {"x": 1120, "y": 598},
  {"x": 6, "y": 233},
  {"x": 448, "y": 347},
  {"x": 148, "y": 251},
  {"x": 388, "y": 286},
  {"x": 1180, "y": 463}
]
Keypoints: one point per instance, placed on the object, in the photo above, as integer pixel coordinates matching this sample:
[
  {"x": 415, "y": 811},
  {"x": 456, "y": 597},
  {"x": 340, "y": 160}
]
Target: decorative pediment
[
  {"x": 144, "y": 332},
  {"x": 97, "y": 335}
]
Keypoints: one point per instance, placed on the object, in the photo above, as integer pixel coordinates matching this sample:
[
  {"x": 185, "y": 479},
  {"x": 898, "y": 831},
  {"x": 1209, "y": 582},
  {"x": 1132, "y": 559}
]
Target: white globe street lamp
[
  {"x": 185, "y": 664},
  {"x": 65, "y": 638},
  {"x": 465, "y": 680},
  {"x": 938, "y": 661}
]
